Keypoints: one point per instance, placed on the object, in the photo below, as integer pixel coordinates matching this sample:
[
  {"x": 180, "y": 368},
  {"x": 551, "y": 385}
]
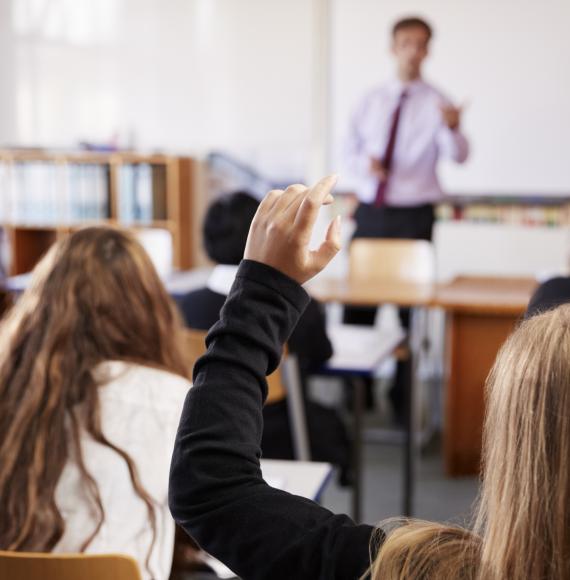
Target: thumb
[{"x": 329, "y": 248}]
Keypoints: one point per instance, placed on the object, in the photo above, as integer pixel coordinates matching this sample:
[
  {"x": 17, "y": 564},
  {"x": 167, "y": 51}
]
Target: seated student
[
  {"x": 218, "y": 495},
  {"x": 548, "y": 295},
  {"x": 225, "y": 230},
  {"x": 92, "y": 383}
]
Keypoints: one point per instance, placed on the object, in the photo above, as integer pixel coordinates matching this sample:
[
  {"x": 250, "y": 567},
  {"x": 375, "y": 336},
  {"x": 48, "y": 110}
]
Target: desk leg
[
  {"x": 409, "y": 446},
  {"x": 358, "y": 407}
]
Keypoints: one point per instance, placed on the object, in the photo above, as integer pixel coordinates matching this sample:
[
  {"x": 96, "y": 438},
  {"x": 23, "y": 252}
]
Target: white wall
[
  {"x": 509, "y": 58},
  {"x": 191, "y": 75},
  {"x": 185, "y": 75}
]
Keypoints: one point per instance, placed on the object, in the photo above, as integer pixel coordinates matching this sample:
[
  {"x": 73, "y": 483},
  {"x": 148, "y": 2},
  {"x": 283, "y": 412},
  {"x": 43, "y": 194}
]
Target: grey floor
[{"x": 437, "y": 497}]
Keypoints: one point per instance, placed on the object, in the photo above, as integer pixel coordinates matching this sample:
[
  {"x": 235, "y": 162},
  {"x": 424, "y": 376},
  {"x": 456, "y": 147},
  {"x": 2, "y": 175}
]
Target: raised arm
[{"x": 217, "y": 493}]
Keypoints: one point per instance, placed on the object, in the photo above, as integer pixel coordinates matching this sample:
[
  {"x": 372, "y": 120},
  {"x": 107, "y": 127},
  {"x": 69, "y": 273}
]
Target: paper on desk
[
  {"x": 361, "y": 348},
  {"x": 276, "y": 482}
]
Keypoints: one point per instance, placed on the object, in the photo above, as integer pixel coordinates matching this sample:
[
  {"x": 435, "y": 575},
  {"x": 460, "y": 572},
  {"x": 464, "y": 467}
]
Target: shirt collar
[
  {"x": 397, "y": 87},
  {"x": 222, "y": 278}
]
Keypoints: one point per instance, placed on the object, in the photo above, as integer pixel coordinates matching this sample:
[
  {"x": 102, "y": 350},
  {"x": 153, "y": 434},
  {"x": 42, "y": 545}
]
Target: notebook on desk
[{"x": 361, "y": 348}]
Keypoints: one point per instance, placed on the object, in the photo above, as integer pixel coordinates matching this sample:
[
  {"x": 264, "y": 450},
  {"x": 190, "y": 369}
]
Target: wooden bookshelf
[{"x": 44, "y": 196}]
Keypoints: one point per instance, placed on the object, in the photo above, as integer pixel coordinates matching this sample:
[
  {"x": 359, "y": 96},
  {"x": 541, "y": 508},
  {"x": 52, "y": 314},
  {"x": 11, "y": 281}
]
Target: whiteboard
[{"x": 508, "y": 58}]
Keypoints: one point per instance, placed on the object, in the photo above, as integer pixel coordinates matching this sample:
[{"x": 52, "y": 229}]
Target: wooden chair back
[
  {"x": 396, "y": 261},
  {"x": 40, "y": 566},
  {"x": 195, "y": 347}
]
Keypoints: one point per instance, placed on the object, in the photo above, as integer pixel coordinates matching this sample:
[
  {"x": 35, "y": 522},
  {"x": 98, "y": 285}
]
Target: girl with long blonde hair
[
  {"x": 92, "y": 380},
  {"x": 522, "y": 524}
]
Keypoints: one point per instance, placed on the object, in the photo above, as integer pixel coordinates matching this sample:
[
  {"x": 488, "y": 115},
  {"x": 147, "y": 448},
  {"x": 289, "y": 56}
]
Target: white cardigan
[{"x": 140, "y": 410}]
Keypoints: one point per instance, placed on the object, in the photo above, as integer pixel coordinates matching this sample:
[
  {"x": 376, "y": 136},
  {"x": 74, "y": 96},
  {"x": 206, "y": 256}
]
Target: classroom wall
[
  {"x": 507, "y": 58},
  {"x": 183, "y": 75},
  {"x": 194, "y": 75}
]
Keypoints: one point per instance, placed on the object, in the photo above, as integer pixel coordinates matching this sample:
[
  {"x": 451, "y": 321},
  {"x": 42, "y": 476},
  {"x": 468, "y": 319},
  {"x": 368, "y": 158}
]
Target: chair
[
  {"x": 407, "y": 266},
  {"x": 395, "y": 261},
  {"x": 40, "y": 566},
  {"x": 283, "y": 383},
  {"x": 195, "y": 345}
]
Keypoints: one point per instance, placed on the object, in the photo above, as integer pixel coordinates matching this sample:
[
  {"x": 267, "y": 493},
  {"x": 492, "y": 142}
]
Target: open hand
[
  {"x": 377, "y": 169},
  {"x": 281, "y": 230},
  {"x": 451, "y": 116}
]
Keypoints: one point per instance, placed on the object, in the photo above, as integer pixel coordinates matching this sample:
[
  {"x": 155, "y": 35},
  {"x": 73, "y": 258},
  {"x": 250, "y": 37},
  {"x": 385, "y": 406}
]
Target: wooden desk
[
  {"x": 372, "y": 294},
  {"x": 481, "y": 313}
]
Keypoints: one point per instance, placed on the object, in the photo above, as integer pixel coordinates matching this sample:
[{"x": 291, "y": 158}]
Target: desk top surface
[
  {"x": 485, "y": 295},
  {"x": 370, "y": 293},
  {"x": 508, "y": 296},
  {"x": 304, "y": 478}
]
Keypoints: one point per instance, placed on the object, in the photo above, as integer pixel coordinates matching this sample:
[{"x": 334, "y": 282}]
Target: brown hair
[
  {"x": 94, "y": 297},
  {"x": 412, "y": 22},
  {"x": 522, "y": 523}
]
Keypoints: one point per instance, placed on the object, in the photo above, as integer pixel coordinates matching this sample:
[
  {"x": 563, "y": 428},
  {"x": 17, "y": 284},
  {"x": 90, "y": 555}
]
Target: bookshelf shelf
[{"x": 46, "y": 195}]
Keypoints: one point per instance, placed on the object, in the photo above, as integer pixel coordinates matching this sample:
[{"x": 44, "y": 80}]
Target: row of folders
[{"x": 50, "y": 193}]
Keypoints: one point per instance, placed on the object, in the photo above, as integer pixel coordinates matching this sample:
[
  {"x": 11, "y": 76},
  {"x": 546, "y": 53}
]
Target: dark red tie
[{"x": 389, "y": 153}]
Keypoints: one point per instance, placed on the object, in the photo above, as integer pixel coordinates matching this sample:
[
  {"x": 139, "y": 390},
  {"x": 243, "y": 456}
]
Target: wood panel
[
  {"x": 473, "y": 342},
  {"x": 28, "y": 247}
]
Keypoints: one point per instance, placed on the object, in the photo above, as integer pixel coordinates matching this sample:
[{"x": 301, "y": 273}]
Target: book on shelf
[
  {"x": 142, "y": 194},
  {"x": 48, "y": 193},
  {"x": 45, "y": 193},
  {"x": 87, "y": 194}
]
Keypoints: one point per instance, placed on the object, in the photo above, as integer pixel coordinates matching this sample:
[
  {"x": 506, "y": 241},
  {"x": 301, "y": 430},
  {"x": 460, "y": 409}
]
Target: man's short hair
[
  {"x": 412, "y": 22},
  {"x": 226, "y": 227}
]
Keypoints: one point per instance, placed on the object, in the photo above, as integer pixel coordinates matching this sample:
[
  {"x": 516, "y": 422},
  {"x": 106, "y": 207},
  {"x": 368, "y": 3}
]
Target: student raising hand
[
  {"x": 217, "y": 492},
  {"x": 282, "y": 228}
]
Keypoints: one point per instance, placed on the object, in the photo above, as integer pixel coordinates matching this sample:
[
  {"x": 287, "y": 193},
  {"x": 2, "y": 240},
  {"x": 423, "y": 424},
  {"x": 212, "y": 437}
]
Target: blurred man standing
[{"x": 397, "y": 135}]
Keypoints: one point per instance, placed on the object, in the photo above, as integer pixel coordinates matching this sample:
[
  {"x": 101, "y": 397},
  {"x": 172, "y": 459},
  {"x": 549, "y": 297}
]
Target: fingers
[
  {"x": 310, "y": 206},
  {"x": 291, "y": 197},
  {"x": 329, "y": 248},
  {"x": 269, "y": 201},
  {"x": 289, "y": 202}
]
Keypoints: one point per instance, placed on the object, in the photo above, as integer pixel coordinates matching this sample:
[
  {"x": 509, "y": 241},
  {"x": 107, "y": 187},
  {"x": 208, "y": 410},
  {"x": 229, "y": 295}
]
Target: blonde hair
[{"x": 522, "y": 522}]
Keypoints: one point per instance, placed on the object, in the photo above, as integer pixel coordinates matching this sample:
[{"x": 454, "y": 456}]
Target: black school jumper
[{"x": 216, "y": 490}]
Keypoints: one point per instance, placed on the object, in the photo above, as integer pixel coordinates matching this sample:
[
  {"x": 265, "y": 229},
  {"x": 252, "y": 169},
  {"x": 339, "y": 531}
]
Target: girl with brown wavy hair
[{"x": 92, "y": 381}]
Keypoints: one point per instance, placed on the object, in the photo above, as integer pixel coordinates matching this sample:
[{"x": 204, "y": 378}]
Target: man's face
[{"x": 410, "y": 48}]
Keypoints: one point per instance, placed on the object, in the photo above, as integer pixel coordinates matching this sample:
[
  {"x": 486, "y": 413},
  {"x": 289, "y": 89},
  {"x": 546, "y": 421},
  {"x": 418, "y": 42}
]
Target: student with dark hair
[
  {"x": 549, "y": 295},
  {"x": 398, "y": 133},
  {"x": 225, "y": 230}
]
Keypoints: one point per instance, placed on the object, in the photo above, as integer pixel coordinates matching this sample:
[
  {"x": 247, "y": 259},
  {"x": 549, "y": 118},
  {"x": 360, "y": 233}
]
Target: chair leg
[
  {"x": 359, "y": 385},
  {"x": 296, "y": 409}
]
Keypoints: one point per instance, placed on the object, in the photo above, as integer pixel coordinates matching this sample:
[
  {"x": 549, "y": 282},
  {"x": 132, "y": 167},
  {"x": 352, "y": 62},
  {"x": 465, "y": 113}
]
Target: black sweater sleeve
[
  {"x": 216, "y": 491},
  {"x": 309, "y": 340}
]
